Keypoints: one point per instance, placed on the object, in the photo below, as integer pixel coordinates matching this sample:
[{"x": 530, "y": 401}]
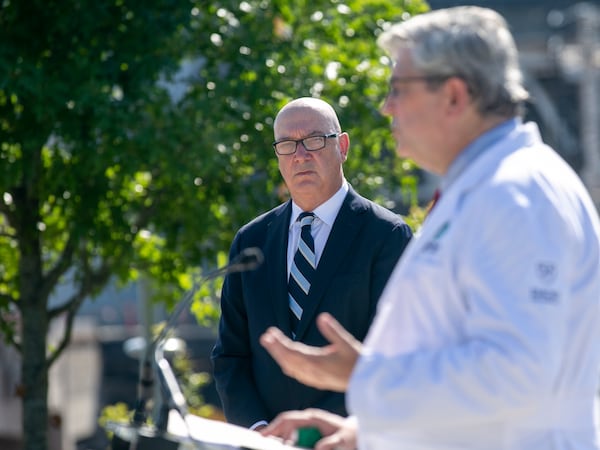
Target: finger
[
  {"x": 280, "y": 348},
  {"x": 285, "y": 430},
  {"x": 286, "y": 424},
  {"x": 297, "y": 360},
  {"x": 333, "y": 442},
  {"x": 274, "y": 341},
  {"x": 334, "y": 332},
  {"x": 274, "y": 334}
]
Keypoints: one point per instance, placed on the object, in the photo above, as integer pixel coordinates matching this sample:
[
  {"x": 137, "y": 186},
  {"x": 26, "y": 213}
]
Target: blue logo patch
[{"x": 433, "y": 245}]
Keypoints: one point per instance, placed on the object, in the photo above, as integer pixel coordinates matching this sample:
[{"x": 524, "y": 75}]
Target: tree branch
[
  {"x": 71, "y": 308},
  {"x": 62, "y": 265},
  {"x": 92, "y": 280}
]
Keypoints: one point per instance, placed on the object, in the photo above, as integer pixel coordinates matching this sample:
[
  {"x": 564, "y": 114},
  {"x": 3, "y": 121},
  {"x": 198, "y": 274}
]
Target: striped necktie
[{"x": 302, "y": 271}]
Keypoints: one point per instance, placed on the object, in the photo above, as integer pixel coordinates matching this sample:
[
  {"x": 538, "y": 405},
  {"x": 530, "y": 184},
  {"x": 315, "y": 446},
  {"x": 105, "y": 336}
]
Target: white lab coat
[{"x": 487, "y": 335}]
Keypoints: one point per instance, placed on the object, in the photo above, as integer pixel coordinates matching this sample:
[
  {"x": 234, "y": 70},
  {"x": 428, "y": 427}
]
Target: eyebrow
[{"x": 312, "y": 133}]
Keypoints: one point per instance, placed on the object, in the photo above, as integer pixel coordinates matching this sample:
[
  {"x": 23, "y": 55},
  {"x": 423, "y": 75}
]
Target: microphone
[{"x": 248, "y": 259}]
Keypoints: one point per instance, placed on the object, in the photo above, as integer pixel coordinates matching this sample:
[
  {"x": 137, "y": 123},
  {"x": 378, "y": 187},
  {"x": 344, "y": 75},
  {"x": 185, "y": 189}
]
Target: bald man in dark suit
[{"x": 356, "y": 245}]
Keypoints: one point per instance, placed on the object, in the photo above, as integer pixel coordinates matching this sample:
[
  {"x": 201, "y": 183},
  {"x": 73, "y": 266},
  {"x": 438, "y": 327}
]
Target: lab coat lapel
[{"x": 448, "y": 205}]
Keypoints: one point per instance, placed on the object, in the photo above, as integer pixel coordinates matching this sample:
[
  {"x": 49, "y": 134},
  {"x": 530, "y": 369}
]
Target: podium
[{"x": 192, "y": 433}]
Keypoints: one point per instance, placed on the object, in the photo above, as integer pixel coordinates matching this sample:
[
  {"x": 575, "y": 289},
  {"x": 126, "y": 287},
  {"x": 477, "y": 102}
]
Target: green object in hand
[{"x": 308, "y": 437}]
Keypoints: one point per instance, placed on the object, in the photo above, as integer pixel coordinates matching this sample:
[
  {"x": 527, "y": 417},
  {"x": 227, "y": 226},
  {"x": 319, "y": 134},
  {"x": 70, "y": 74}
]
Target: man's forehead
[{"x": 301, "y": 117}]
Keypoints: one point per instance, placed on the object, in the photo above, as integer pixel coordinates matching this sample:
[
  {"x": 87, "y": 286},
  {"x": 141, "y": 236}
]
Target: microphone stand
[{"x": 155, "y": 361}]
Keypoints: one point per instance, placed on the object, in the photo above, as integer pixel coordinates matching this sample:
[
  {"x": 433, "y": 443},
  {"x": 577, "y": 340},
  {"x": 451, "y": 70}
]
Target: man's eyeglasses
[
  {"x": 425, "y": 78},
  {"x": 311, "y": 144}
]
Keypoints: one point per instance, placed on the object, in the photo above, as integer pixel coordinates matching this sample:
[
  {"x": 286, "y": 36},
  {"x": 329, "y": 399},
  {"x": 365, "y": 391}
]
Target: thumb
[
  {"x": 334, "y": 332},
  {"x": 333, "y": 442}
]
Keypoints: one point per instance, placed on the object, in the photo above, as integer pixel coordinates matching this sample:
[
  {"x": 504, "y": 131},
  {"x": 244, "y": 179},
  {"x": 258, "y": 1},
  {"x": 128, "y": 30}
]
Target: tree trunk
[{"x": 34, "y": 375}]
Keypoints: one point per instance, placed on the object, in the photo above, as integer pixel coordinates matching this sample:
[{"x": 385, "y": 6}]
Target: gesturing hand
[
  {"x": 327, "y": 367},
  {"x": 337, "y": 432}
]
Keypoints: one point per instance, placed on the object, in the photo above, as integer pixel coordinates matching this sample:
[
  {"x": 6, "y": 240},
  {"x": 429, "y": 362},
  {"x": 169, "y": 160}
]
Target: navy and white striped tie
[{"x": 302, "y": 271}]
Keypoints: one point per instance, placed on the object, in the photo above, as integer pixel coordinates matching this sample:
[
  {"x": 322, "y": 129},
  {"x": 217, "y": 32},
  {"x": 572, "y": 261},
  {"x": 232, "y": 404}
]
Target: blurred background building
[{"x": 559, "y": 45}]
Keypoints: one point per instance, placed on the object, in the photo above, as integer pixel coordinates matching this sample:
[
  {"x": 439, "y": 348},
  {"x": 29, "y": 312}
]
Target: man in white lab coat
[{"x": 487, "y": 335}]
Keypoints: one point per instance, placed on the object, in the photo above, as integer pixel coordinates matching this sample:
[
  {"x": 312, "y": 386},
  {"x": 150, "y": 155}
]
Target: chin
[{"x": 307, "y": 187}]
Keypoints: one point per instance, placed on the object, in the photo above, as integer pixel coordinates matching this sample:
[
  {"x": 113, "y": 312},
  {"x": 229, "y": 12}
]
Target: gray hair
[{"x": 469, "y": 42}]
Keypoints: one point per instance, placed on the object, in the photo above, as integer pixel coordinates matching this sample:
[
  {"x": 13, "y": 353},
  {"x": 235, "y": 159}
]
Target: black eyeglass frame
[
  {"x": 425, "y": 78},
  {"x": 297, "y": 141}
]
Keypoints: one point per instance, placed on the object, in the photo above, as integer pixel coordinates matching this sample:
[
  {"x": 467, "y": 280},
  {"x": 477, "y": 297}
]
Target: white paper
[{"x": 200, "y": 433}]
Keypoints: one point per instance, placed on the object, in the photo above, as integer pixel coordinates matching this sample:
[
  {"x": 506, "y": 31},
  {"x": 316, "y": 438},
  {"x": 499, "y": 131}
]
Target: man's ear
[
  {"x": 457, "y": 95},
  {"x": 344, "y": 141}
]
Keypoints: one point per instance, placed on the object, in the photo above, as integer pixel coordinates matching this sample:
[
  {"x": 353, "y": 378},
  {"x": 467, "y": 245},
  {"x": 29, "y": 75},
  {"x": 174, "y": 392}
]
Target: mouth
[{"x": 304, "y": 173}]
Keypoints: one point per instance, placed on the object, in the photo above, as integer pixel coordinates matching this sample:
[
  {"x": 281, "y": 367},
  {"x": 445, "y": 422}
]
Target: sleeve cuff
[{"x": 259, "y": 423}]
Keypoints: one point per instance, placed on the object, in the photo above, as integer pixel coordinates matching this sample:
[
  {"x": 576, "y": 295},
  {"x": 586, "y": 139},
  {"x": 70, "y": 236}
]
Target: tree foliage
[{"x": 114, "y": 161}]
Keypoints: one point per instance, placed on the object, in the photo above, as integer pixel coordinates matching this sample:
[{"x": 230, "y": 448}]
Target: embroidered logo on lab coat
[
  {"x": 433, "y": 245},
  {"x": 545, "y": 273}
]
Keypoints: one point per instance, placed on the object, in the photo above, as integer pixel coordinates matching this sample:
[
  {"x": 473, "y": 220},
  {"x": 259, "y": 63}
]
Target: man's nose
[
  {"x": 301, "y": 150},
  {"x": 385, "y": 108}
]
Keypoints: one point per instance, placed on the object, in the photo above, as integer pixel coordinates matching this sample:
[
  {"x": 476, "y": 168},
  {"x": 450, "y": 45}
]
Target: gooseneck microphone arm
[
  {"x": 247, "y": 259},
  {"x": 171, "y": 395}
]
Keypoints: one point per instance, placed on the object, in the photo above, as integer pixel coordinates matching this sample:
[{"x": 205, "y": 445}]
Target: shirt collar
[
  {"x": 476, "y": 148},
  {"x": 326, "y": 212}
]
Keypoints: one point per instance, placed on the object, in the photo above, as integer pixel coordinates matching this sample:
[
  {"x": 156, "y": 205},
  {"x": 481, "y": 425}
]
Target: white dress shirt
[{"x": 325, "y": 215}]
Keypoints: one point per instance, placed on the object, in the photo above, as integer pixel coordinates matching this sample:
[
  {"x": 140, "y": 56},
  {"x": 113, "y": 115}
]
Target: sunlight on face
[{"x": 312, "y": 177}]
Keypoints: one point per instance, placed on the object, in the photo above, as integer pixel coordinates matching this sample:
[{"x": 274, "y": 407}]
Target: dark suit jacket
[{"x": 363, "y": 247}]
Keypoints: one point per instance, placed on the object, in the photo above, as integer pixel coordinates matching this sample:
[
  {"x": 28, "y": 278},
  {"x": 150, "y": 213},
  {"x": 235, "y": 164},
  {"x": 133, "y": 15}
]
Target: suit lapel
[
  {"x": 345, "y": 228},
  {"x": 276, "y": 249}
]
